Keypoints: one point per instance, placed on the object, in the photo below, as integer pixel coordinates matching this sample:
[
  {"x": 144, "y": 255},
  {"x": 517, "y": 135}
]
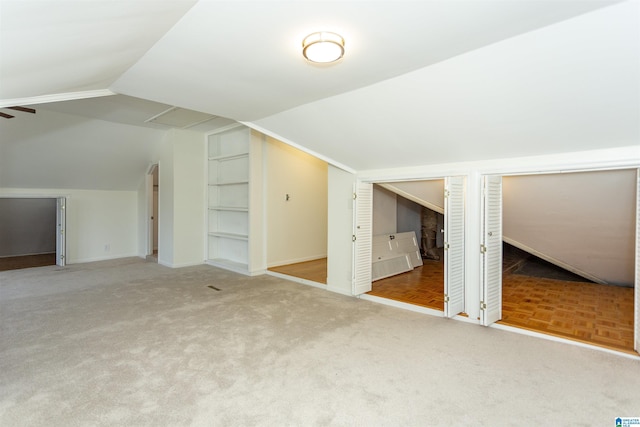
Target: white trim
[
  {"x": 4, "y": 195},
  {"x": 297, "y": 279},
  {"x": 554, "y": 261},
  {"x": 100, "y": 258},
  {"x": 339, "y": 290},
  {"x": 55, "y": 97},
  {"x": 182, "y": 265},
  {"x": 221, "y": 130},
  {"x": 467, "y": 319},
  {"x": 624, "y": 157},
  {"x": 636, "y": 303},
  {"x": 299, "y": 147},
  {"x": 389, "y": 186},
  {"x": 562, "y": 340},
  {"x": 401, "y": 305}
]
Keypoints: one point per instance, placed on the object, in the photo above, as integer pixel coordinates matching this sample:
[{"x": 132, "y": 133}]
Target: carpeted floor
[{"x": 133, "y": 343}]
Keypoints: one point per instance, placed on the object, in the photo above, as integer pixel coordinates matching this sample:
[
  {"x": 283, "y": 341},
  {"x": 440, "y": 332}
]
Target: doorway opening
[
  {"x": 153, "y": 188},
  {"x": 431, "y": 213},
  {"x": 567, "y": 249},
  {"x": 296, "y": 204},
  {"x": 32, "y": 232},
  {"x": 423, "y": 284}
]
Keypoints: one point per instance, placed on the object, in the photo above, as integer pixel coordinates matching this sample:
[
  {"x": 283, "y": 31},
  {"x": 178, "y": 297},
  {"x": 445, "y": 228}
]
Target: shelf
[
  {"x": 229, "y": 157},
  {"x": 228, "y": 208},
  {"x": 233, "y": 236}
]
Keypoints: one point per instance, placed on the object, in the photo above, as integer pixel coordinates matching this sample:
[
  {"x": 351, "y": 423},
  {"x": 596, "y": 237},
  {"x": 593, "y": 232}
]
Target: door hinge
[
  {"x": 355, "y": 196},
  {"x": 446, "y": 298},
  {"x": 483, "y": 249},
  {"x": 446, "y": 246},
  {"x": 353, "y": 237},
  {"x": 483, "y": 306},
  {"x": 447, "y": 193}
]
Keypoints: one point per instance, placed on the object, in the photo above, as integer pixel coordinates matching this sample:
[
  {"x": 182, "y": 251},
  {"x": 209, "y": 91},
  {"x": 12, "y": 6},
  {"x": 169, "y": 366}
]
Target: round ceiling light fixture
[{"x": 323, "y": 47}]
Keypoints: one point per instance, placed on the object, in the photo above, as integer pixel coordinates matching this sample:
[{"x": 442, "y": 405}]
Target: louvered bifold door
[
  {"x": 454, "y": 246},
  {"x": 491, "y": 249},
  {"x": 637, "y": 284},
  {"x": 362, "y": 237}
]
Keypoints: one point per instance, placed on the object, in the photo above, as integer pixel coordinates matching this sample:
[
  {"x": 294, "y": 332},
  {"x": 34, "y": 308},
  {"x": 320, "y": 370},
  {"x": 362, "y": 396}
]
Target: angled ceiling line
[{"x": 56, "y": 97}]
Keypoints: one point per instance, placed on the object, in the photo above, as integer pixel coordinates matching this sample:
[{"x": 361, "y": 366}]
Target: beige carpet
[{"x": 132, "y": 343}]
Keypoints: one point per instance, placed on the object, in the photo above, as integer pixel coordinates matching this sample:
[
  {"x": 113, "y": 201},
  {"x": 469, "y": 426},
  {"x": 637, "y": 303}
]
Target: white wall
[
  {"x": 402, "y": 196},
  {"x": 100, "y": 224},
  {"x": 409, "y": 217},
  {"x": 188, "y": 197},
  {"x": 427, "y": 193},
  {"x": 143, "y": 214},
  {"x": 181, "y": 199},
  {"x": 56, "y": 150},
  {"x": 164, "y": 161},
  {"x": 384, "y": 211},
  {"x": 581, "y": 221},
  {"x": 296, "y": 228},
  {"x": 340, "y": 230}
]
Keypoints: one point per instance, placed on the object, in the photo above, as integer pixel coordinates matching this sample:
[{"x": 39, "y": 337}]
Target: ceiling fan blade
[
  {"x": 6, "y": 116},
  {"x": 23, "y": 109}
]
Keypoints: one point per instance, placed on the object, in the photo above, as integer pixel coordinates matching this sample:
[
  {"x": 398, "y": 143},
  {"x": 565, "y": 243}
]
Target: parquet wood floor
[
  {"x": 586, "y": 312},
  {"x": 315, "y": 271},
  {"x": 27, "y": 261},
  {"x": 423, "y": 286}
]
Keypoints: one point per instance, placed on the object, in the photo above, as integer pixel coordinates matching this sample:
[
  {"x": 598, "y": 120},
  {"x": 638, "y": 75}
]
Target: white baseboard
[
  {"x": 100, "y": 258},
  {"x": 180, "y": 265},
  {"x": 402, "y": 305},
  {"x": 297, "y": 280},
  {"x": 338, "y": 290},
  {"x": 562, "y": 340}
]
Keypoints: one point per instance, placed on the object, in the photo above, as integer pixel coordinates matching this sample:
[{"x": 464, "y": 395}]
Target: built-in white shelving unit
[{"x": 235, "y": 199}]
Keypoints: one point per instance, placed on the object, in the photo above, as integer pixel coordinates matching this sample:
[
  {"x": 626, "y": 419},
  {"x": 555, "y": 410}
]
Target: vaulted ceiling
[{"x": 421, "y": 82}]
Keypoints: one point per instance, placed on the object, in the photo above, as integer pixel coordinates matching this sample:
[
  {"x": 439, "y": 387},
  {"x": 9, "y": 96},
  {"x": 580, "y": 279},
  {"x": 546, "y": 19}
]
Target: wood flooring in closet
[
  {"x": 27, "y": 261},
  {"x": 585, "y": 312},
  {"x": 315, "y": 271}
]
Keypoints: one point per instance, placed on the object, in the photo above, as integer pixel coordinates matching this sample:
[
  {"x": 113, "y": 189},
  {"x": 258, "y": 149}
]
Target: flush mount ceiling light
[{"x": 323, "y": 47}]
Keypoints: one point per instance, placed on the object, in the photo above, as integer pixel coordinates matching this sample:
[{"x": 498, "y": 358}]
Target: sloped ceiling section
[
  {"x": 568, "y": 87},
  {"x": 243, "y": 59},
  {"x": 422, "y": 82},
  {"x": 57, "y": 47},
  {"x": 65, "y": 151}
]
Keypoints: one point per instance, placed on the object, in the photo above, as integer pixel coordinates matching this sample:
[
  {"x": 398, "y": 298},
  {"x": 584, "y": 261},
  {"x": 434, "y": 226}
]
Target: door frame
[
  {"x": 445, "y": 178},
  {"x": 558, "y": 170},
  {"x": 151, "y": 219},
  {"x": 61, "y": 221}
]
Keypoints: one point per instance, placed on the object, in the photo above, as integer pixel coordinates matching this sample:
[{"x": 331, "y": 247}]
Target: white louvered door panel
[
  {"x": 362, "y": 231},
  {"x": 637, "y": 284},
  {"x": 454, "y": 246},
  {"x": 492, "y": 247}
]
